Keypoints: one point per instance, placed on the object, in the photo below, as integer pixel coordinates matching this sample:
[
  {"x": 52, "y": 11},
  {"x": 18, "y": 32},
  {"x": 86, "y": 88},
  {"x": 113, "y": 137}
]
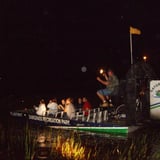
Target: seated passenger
[
  {"x": 79, "y": 104},
  {"x": 62, "y": 105},
  {"x": 69, "y": 108},
  {"x": 52, "y": 107},
  {"x": 41, "y": 109},
  {"x": 86, "y": 106}
]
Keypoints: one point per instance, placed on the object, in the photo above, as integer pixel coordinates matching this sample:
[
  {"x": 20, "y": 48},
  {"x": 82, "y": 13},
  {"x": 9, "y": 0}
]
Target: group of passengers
[{"x": 67, "y": 106}]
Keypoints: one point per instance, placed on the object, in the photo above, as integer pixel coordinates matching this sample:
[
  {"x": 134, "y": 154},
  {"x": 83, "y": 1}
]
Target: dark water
[{"x": 21, "y": 140}]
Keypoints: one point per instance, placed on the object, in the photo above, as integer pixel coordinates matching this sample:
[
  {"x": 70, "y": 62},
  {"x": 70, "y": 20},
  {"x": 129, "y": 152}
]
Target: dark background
[{"x": 45, "y": 43}]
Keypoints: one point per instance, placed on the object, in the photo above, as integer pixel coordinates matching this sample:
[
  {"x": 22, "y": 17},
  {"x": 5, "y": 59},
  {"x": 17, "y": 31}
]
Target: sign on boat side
[{"x": 155, "y": 99}]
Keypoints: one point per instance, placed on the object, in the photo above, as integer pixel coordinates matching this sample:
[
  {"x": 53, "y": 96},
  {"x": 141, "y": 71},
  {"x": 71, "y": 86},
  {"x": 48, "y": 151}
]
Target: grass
[
  {"x": 70, "y": 148},
  {"x": 25, "y": 141}
]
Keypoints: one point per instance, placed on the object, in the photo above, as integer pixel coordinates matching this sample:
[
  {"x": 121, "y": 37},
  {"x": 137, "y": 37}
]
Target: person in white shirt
[
  {"x": 52, "y": 107},
  {"x": 41, "y": 109},
  {"x": 69, "y": 108}
]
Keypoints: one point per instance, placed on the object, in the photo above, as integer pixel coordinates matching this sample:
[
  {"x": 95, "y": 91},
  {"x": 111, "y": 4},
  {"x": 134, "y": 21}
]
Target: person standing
[{"x": 111, "y": 82}]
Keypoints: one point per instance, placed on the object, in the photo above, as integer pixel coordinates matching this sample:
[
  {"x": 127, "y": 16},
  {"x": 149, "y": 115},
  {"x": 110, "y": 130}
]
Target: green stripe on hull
[
  {"x": 105, "y": 130},
  {"x": 112, "y": 130}
]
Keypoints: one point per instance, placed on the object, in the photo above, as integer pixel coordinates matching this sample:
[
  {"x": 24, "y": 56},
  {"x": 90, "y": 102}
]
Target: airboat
[{"x": 138, "y": 102}]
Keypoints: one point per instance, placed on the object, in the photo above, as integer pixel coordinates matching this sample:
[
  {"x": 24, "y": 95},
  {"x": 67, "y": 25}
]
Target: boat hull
[{"x": 112, "y": 127}]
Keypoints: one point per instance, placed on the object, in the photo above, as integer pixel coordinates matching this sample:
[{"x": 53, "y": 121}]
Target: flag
[{"x": 135, "y": 31}]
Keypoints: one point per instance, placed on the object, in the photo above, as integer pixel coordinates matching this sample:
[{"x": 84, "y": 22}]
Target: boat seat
[
  {"x": 95, "y": 115},
  {"x": 114, "y": 100},
  {"x": 99, "y": 117},
  {"x": 115, "y": 92},
  {"x": 91, "y": 115},
  {"x": 80, "y": 115},
  {"x": 59, "y": 114},
  {"x": 88, "y": 116},
  {"x": 105, "y": 115},
  {"x": 114, "y": 97}
]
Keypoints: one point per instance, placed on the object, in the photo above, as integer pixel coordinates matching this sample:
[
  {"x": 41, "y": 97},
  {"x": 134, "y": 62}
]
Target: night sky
[{"x": 45, "y": 43}]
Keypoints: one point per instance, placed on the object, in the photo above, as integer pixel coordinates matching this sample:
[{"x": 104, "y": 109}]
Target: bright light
[
  {"x": 101, "y": 71},
  {"x": 145, "y": 58}
]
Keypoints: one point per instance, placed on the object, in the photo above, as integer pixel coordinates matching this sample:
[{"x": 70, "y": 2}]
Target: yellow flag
[{"x": 135, "y": 31}]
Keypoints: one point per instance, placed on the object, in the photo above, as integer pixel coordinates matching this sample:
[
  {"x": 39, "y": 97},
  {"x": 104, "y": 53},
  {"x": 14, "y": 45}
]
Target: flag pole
[
  {"x": 133, "y": 30},
  {"x": 131, "y": 49}
]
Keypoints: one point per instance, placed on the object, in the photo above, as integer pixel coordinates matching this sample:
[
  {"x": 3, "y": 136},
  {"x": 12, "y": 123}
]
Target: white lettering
[
  {"x": 49, "y": 120},
  {"x": 16, "y": 114}
]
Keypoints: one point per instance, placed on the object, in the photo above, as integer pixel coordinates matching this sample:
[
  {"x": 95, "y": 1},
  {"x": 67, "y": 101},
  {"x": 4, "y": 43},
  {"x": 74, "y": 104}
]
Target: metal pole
[{"x": 131, "y": 48}]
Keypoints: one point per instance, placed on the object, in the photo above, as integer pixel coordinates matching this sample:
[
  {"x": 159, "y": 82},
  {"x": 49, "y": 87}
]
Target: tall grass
[
  {"x": 70, "y": 148},
  {"x": 27, "y": 142}
]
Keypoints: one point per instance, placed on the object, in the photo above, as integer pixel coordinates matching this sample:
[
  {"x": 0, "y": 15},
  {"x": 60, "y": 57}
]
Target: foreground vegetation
[{"x": 22, "y": 140}]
